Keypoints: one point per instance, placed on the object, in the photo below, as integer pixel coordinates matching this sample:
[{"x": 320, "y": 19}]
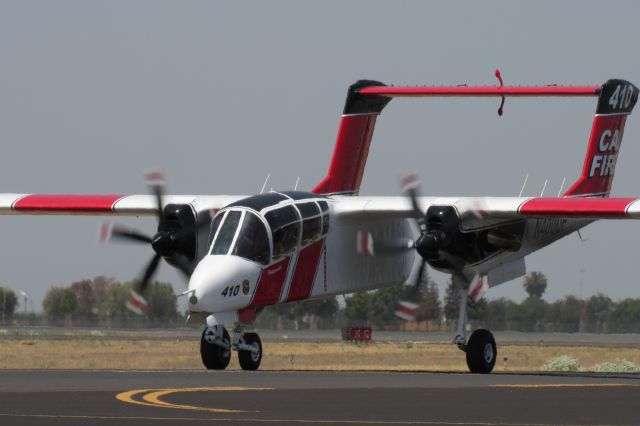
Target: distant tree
[
  {"x": 357, "y": 306},
  {"x": 597, "y": 310},
  {"x": 498, "y": 314},
  {"x": 91, "y": 295},
  {"x": 60, "y": 304},
  {"x": 383, "y": 304},
  {"x": 8, "y": 302},
  {"x": 323, "y": 311},
  {"x": 113, "y": 309},
  {"x": 430, "y": 306},
  {"x": 378, "y": 307},
  {"x": 163, "y": 305},
  {"x": 625, "y": 317},
  {"x": 161, "y": 310},
  {"x": 532, "y": 314},
  {"x": 535, "y": 284},
  {"x": 566, "y": 315},
  {"x": 479, "y": 311}
]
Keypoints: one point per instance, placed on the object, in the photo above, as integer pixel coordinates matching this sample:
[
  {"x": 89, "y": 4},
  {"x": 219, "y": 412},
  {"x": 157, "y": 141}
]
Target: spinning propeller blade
[
  {"x": 432, "y": 240},
  {"x": 165, "y": 243}
]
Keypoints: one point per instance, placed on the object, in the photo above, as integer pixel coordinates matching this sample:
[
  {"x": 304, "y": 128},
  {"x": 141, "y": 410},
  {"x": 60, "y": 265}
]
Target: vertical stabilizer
[
  {"x": 616, "y": 100},
  {"x": 352, "y": 143}
]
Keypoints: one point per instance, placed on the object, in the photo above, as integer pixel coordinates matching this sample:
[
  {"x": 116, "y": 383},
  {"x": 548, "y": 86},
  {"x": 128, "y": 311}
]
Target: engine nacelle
[
  {"x": 444, "y": 242},
  {"x": 176, "y": 217}
]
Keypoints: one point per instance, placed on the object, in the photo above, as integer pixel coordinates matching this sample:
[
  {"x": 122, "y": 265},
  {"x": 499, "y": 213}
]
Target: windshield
[
  {"x": 250, "y": 242},
  {"x": 227, "y": 231}
]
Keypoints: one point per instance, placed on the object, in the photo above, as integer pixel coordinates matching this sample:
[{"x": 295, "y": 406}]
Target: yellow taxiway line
[{"x": 151, "y": 397}]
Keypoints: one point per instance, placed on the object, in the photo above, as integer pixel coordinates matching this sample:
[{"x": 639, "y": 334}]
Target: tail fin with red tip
[{"x": 616, "y": 100}]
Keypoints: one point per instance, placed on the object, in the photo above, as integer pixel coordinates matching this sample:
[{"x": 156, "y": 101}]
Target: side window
[
  {"x": 226, "y": 233},
  {"x": 285, "y": 229},
  {"x": 324, "y": 206},
  {"x": 311, "y": 221}
]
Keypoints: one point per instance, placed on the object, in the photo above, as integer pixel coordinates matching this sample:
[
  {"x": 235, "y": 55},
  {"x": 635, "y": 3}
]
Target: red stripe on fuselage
[
  {"x": 67, "y": 203},
  {"x": 270, "y": 284},
  {"x": 305, "y": 272}
]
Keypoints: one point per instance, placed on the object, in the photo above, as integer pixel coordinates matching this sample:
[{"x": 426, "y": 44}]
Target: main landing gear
[
  {"x": 481, "y": 349},
  {"x": 216, "y": 347}
]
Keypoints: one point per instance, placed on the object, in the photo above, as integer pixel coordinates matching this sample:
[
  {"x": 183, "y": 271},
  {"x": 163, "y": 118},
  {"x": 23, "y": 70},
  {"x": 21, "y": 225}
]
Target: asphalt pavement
[{"x": 63, "y": 397}]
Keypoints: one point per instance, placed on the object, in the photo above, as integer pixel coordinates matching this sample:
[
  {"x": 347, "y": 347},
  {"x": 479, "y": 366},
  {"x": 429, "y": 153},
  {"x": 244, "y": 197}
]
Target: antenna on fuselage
[
  {"x": 264, "y": 185},
  {"x": 526, "y": 178},
  {"x": 544, "y": 187},
  {"x": 561, "y": 186},
  {"x": 295, "y": 188}
]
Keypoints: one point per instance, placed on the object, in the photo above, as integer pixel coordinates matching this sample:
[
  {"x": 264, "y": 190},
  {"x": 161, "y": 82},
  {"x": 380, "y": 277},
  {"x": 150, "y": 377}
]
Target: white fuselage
[{"x": 232, "y": 287}]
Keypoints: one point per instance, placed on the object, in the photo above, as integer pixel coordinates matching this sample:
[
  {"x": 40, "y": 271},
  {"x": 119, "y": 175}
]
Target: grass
[{"x": 114, "y": 353}]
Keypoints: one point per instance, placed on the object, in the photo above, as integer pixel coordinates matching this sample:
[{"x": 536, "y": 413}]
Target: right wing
[{"x": 104, "y": 204}]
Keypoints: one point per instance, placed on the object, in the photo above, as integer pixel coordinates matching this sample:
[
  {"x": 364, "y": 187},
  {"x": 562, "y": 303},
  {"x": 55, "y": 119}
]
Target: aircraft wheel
[
  {"x": 250, "y": 360},
  {"x": 215, "y": 357},
  {"x": 481, "y": 352}
]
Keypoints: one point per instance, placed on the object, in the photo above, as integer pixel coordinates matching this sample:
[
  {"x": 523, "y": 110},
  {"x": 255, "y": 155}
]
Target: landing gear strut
[
  {"x": 216, "y": 346},
  {"x": 481, "y": 350}
]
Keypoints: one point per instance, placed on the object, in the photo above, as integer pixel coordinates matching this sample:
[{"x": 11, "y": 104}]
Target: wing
[
  {"x": 104, "y": 204},
  {"x": 482, "y": 211}
]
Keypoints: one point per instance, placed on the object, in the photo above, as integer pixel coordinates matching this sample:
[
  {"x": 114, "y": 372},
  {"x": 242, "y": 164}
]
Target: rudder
[{"x": 616, "y": 100}]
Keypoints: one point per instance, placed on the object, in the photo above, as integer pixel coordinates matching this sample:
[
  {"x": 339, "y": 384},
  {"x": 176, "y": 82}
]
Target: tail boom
[
  {"x": 352, "y": 143},
  {"x": 367, "y": 98}
]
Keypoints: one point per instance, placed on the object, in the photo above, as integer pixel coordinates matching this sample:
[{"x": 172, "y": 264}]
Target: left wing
[{"x": 478, "y": 210}]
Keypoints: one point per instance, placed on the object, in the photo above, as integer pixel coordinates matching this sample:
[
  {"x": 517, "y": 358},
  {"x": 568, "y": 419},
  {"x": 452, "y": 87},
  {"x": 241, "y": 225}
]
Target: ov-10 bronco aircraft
[{"x": 242, "y": 253}]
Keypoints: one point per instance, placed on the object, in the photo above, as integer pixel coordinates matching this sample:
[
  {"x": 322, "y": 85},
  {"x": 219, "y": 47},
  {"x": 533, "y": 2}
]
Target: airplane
[{"x": 243, "y": 253}]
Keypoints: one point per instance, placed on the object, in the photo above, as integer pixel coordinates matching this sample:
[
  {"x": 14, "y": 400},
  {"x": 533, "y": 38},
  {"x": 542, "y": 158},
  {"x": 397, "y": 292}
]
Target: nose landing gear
[
  {"x": 216, "y": 346},
  {"x": 249, "y": 351}
]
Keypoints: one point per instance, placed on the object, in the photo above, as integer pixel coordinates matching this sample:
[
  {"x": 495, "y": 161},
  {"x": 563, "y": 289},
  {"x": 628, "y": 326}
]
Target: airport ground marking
[
  {"x": 565, "y": 385},
  {"x": 151, "y": 397},
  {"x": 235, "y": 420}
]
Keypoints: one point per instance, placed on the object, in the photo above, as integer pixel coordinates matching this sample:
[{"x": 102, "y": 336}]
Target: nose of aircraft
[{"x": 222, "y": 283}]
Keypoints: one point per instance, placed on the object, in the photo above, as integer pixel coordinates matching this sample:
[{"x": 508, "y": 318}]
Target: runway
[{"x": 70, "y": 397}]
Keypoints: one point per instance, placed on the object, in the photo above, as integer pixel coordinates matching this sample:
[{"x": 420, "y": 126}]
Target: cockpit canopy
[{"x": 268, "y": 227}]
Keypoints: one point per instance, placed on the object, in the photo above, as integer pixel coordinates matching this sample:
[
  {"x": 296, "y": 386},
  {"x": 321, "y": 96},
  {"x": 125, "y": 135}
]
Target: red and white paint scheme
[{"x": 242, "y": 253}]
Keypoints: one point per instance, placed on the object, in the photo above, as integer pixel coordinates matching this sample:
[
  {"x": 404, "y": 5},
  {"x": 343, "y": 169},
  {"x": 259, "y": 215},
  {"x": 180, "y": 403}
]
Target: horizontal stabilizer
[{"x": 474, "y": 91}]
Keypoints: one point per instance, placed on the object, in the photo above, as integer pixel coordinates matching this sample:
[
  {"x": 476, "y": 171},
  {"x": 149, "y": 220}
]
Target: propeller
[
  {"x": 410, "y": 186},
  {"x": 432, "y": 244},
  {"x": 165, "y": 243}
]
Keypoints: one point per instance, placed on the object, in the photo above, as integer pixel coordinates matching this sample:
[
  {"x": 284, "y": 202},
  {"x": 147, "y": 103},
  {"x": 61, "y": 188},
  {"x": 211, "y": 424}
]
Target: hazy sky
[{"x": 218, "y": 94}]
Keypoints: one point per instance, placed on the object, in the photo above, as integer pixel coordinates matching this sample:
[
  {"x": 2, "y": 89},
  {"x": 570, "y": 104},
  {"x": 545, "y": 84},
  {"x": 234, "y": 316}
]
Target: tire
[
  {"x": 250, "y": 360},
  {"x": 213, "y": 356},
  {"x": 481, "y": 352}
]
